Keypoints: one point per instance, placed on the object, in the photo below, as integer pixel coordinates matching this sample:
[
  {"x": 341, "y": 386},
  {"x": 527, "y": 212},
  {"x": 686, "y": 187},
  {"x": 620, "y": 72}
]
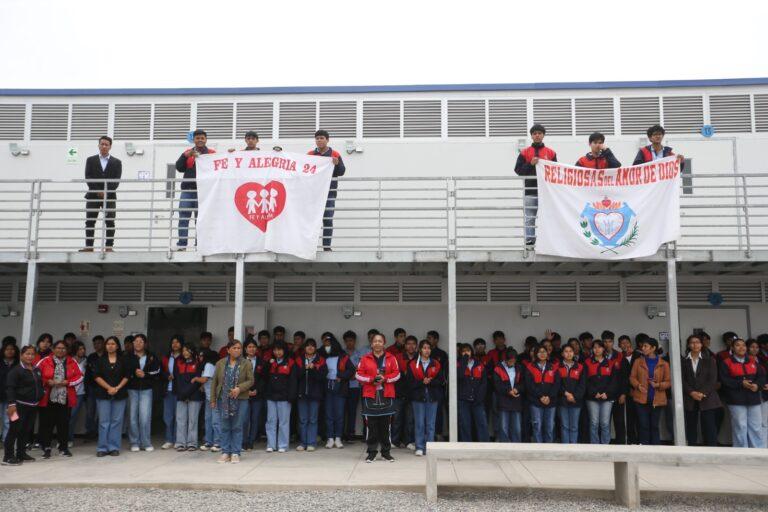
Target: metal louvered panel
[
  {"x": 744, "y": 291},
  {"x": 556, "y": 292},
  {"x": 339, "y": 118},
  {"x": 172, "y": 121},
  {"x": 132, "y": 121},
  {"x": 379, "y": 292},
  {"x": 162, "y": 292},
  {"x": 639, "y": 114},
  {"x": 381, "y": 119},
  {"x": 510, "y": 292},
  {"x": 731, "y": 113},
  {"x": 208, "y": 291},
  {"x": 646, "y": 291},
  {"x": 683, "y": 114},
  {"x": 422, "y": 292},
  {"x": 122, "y": 291},
  {"x": 216, "y": 119},
  {"x": 46, "y": 292},
  {"x": 507, "y": 118},
  {"x": 466, "y": 118},
  {"x": 49, "y": 122},
  {"x": 599, "y": 291},
  {"x": 594, "y": 115},
  {"x": 298, "y": 119},
  {"x": 761, "y": 112},
  {"x": 89, "y": 121},
  {"x": 693, "y": 292},
  {"x": 334, "y": 292},
  {"x": 554, "y": 114},
  {"x": 472, "y": 291},
  {"x": 6, "y": 292},
  {"x": 78, "y": 291},
  {"x": 12, "y": 121},
  {"x": 292, "y": 292},
  {"x": 422, "y": 118},
  {"x": 254, "y": 292},
  {"x": 254, "y": 116}
]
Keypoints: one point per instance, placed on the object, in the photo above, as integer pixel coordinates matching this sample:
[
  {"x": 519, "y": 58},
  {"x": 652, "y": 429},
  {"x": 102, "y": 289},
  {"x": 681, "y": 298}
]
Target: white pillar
[
  {"x": 674, "y": 352},
  {"x": 239, "y": 296},
  {"x": 453, "y": 422},
  {"x": 29, "y": 303}
]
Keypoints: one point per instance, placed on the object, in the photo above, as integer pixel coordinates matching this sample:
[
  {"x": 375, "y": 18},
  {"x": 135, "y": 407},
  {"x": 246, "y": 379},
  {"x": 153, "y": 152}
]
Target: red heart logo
[{"x": 260, "y": 203}]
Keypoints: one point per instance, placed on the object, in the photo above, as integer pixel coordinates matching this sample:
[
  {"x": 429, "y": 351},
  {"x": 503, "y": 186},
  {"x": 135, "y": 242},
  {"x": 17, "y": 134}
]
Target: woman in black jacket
[
  {"x": 573, "y": 385},
  {"x": 187, "y": 386},
  {"x": 542, "y": 385},
  {"x": 281, "y": 391},
  {"x": 603, "y": 377},
  {"x": 700, "y": 398},
  {"x": 111, "y": 379},
  {"x": 472, "y": 387},
  {"x": 24, "y": 390},
  {"x": 508, "y": 385},
  {"x": 143, "y": 372},
  {"x": 743, "y": 379},
  {"x": 10, "y": 358},
  {"x": 311, "y": 371},
  {"x": 425, "y": 379}
]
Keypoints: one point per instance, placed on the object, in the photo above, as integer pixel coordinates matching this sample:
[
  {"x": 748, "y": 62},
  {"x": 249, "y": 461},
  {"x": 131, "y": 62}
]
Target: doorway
[{"x": 165, "y": 322}]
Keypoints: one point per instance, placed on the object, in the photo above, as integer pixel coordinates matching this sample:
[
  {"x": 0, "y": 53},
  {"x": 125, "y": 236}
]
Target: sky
[{"x": 225, "y": 43}]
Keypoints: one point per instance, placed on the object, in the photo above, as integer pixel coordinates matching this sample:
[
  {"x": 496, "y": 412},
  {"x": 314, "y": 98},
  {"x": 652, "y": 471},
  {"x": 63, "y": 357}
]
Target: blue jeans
[
  {"x": 308, "y": 410},
  {"x": 569, "y": 424},
  {"x": 187, "y": 206},
  {"x": 278, "y": 424},
  {"x": 72, "y": 416},
  {"x": 508, "y": 426},
  {"x": 472, "y": 413},
  {"x": 334, "y": 414},
  {"x": 140, "y": 415},
  {"x": 111, "y": 414},
  {"x": 187, "y": 417},
  {"x": 7, "y": 421},
  {"x": 330, "y": 209},
  {"x": 252, "y": 422},
  {"x": 747, "y": 426},
  {"x": 530, "y": 207},
  {"x": 212, "y": 435},
  {"x": 232, "y": 429},
  {"x": 424, "y": 414},
  {"x": 600, "y": 421},
  {"x": 169, "y": 417},
  {"x": 542, "y": 424}
]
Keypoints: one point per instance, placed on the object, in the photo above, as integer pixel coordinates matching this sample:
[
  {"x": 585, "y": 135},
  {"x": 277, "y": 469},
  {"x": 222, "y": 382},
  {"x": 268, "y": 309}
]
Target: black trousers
[
  {"x": 54, "y": 416},
  {"x": 350, "y": 413},
  {"x": 708, "y": 426},
  {"x": 378, "y": 434},
  {"x": 632, "y": 433},
  {"x": 619, "y": 422},
  {"x": 92, "y": 214},
  {"x": 20, "y": 432}
]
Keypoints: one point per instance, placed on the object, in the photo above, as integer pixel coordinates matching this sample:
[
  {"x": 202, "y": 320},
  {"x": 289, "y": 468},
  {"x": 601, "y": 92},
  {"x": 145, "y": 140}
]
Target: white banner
[
  {"x": 259, "y": 201},
  {"x": 611, "y": 214}
]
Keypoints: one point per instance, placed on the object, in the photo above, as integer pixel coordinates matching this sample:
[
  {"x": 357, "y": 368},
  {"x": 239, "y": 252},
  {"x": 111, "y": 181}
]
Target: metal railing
[{"x": 724, "y": 211}]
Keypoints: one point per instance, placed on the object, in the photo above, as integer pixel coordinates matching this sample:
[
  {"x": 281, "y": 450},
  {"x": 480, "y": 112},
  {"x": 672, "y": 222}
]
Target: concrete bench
[{"x": 625, "y": 459}]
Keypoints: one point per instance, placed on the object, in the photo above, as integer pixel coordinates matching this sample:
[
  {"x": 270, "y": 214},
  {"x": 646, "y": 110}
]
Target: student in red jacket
[
  {"x": 312, "y": 371},
  {"x": 600, "y": 156},
  {"x": 281, "y": 391},
  {"x": 61, "y": 374},
  {"x": 573, "y": 385},
  {"x": 602, "y": 380},
  {"x": 526, "y": 166},
  {"x": 321, "y": 140},
  {"x": 377, "y": 373},
  {"x": 402, "y": 421},
  {"x": 508, "y": 387},
  {"x": 656, "y": 150},
  {"x": 425, "y": 380},
  {"x": 743, "y": 380},
  {"x": 188, "y": 383},
  {"x": 472, "y": 385},
  {"x": 542, "y": 385}
]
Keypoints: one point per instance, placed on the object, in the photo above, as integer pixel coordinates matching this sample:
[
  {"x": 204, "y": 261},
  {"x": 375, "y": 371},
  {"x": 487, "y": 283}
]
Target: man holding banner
[
  {"x": 186, "y": 164},
  {"x": 322, "y": 149},
  {"x": 526, "y": 166}
]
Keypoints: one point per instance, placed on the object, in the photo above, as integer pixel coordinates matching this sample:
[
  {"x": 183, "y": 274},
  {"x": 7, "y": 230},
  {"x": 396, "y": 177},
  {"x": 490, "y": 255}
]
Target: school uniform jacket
[
  {"x": 415, "y": 375},
  {"x": 502, "y": 386},
  {"x": 602, "y": 377},
  {"x": 473, "y": 382},
  {"x": 574, "y": 381},
  {"x": 311, "y": 382},
  {"x": 72, "y": 375},
  {"x": 367, "y": 370},
  {"x": 183, "y": 373},
  {"x": 732, "y": 375},
  {"x": 542, "y": 382},
  {"x": 345, "y": 371},
  {"x": 281, "y": 380}
]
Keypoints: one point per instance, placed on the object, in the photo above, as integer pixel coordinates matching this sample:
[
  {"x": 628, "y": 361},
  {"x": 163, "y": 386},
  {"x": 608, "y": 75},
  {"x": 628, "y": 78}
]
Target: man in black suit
[{"x": 100, "y": 167}]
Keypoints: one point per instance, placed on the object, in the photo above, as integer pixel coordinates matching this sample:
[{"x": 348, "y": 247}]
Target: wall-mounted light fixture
[
  {"x": 131, "y": 150},
  {"x": 528, "y": 311},
  {"x": 350, "y": 311},
  {"x": 351, "y": 146},
  {"x": 17, "y": 150},
  {"x": 653, "y": 311}
]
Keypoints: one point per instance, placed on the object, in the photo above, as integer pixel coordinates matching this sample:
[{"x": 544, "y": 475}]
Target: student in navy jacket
[
  {"x": 573, "y": 385},
  {"x": 143, "y": 370},
  {"x": 526, "y": 166},
  {"x": 281, "y": 391},
  {"x": 311, "y": 370},
  {"x": 340, "y": 370},
  {"x": 508, "y": 385},
  {"x": 424, "y": 377},
  {"x": 542, "y": 385},
  {"x": 599, "y": 156},
  {"x": 743, "y": 379},
  {"x": 322, "y": 149},
  {"x": 602, "y": 379},
  {"x": 472, "y": 383},
  {"x": 24, "y": 390},
  {"x": 255, "y": 403},
  {"x": 187, "y": 386},
  {"x": 656, "y": 150},
  {"x": 624, "y": 415},
  {"x": 186, "y": 164}
]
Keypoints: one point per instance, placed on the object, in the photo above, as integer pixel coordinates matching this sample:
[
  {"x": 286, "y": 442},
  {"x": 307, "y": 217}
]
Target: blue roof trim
[{"x": 544, "y": 86}]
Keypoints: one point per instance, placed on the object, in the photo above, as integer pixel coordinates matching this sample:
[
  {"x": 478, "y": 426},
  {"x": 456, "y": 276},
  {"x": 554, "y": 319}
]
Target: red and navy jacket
[
  {"x": 186, "y": 165},
  {"x": 338, "y": 170},
  {"x": 540, "y": 383},
  {"x": 574, "y": 381},
  {"x": 523, "y": 165},
  {"x": 345, "y": 371},
  {"x": 403, "y": 386},
  {"x": 368, "y": 369},
  {"x": 494, "y": 357},
  {"x": 258, "y": 377},
  {"x": 72, "y": 375},
  {"x": 732, "y": 375},
  {"x": 645, "y": 155},
  {"x": 473, "y": 382},
  {"x": 395, "y": 350},
  {"x": 604, "y": 160},
  {"x": 281, "y": 379},
  {"x": 502, "y": 386},
  {"x": 183, "y": 373},
  {"x": 415, "y": 375},
  {"x": 602, "y": 377},
  {"x": 311, "y": 382}
]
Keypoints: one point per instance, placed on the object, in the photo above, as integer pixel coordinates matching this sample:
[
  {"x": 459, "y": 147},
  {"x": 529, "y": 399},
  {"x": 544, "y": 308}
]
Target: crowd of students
[{"x": 580, "y": 390}]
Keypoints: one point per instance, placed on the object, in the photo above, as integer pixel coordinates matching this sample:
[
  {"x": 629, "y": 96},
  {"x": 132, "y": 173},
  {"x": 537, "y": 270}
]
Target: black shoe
[
  {"x": 27, "y": 458},
  {"x": 47, "y": 453},
  {"x": 101, "y": 454},
  {"x": 370, "y": 458},
  {"x": 114, "y": 453},
  {"x": 388, "y": 457},
  {"x": 11, "y": 462},
  {"x": 65, "y": 453}
]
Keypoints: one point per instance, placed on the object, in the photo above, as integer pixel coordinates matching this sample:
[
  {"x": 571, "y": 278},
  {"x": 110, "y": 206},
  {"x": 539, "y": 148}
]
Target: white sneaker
[
  {"x": 299, "y": 448},
  {"x": 149, "y": 449},
  {"x": 223, "y": 459},
  {"x": 411, "y": 446},
  {"x": 235, "y": 459},
  {"x": 215, "y": 448},
  {"x": 419, "y": 453},
  {"x": 338, "y": 443},
  {"x": 204, "y": 447},
  {"x": 281, "y": 450},
  {"x": 70, "y": 444},
  {"x": 329, "y": 444},
  {"x": 166, "y": 446},
  {"x": 270, "y": 450},
  {"x": 310, "y": 448},
  {"x": 134, "y": 448}
]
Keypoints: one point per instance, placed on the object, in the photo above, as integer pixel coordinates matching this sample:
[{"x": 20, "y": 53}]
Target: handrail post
[{"x": 746, "y": 216}]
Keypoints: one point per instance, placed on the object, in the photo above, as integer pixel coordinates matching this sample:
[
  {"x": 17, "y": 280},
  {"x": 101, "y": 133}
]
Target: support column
[
  {"x": 453, "y": 422},
  {"x": 239, "y": 296},
  {"x": 29, "y": 303},
  {"x": 674, "y": 352},
  {"x": 627, "y": 484}
]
